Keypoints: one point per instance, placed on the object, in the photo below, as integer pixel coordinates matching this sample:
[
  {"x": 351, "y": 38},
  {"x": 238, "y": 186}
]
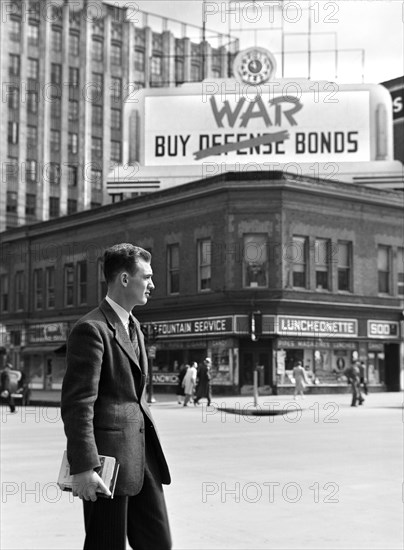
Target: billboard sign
[{"x": 184, "y": 130}]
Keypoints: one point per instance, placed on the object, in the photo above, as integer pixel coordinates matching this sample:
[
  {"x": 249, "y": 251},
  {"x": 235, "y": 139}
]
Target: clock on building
[{"x": 254, "y": 66}]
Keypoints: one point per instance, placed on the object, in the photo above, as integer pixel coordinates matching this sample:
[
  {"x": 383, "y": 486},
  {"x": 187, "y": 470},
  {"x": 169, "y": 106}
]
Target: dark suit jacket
[{"x": 101, "y": 409}]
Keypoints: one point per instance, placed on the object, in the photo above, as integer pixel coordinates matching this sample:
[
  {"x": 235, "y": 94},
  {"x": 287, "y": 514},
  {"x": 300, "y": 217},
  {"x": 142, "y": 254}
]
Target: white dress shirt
[{"x": 121, "y": 312}]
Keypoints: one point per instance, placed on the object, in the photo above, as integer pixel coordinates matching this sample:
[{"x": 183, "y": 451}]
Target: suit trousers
[{"x": 142, "y": 518}]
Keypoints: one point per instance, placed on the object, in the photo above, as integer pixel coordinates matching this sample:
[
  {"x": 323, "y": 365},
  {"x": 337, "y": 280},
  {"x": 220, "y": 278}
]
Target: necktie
[{"x": 133, "y": 337}]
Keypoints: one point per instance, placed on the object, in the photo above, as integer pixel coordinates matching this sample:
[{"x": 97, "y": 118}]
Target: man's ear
[{"x": 124, "y": 278}]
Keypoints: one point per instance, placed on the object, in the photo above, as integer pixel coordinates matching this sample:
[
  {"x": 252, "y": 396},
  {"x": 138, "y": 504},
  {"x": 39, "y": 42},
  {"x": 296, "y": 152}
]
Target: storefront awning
[{"x": 40, "y": 349}]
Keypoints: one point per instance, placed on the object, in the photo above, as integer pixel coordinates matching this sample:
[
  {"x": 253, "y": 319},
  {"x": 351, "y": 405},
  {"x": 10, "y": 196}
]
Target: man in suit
[
  {"x": 353, "y": 375},
  {"x": 105, "y": 412}
]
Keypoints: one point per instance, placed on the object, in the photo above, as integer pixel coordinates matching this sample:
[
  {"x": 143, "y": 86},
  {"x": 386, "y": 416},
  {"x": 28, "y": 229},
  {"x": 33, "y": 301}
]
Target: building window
[
  {"x": 156, "y": 66},
  {"x": 96, "y": 147},
  {"x": 11, "y": 169},
  {"x": 55, "y": 141},
  {"x": 13, "y": 132},
  {"x": 30, "y": 204},
  {"x": 116, "y": 122},
  {"x": 116, "y": 89},
  {"x": 96, "y": 115},
  {"x": 204, "y": 264},
  {"x": 32, "y": 68},
  {"x": 297, "y": 255},
  {"x": 14, "y": 65},
  {"x": 216, "y": 73},
  {"x": 14, "y": 30},
  {"x": 50, "y": 287},
  {"x": 33, "y": 34},
  {"x": 102, "y": 285},
  {"x": 71, "y": 206},
  {"x": 72, "y": 173},
  {"x": 69, "y": 285},
  {"x": 38, "y": 289},
  {"x": 55, "y": 108},
  {"x": 400, "y": 271},
  {"x": 12, "y": 200},
  {"x": 32, "y": 137},
  {"x": 173, "y": 268},
  {"x": 344, "y": 266},
  {"x": 96, "y": 180},
  {"x": 73, "y": 77},
  {"x": 97, "y": 47},
  {"x": 74, "y": 44},
  {"x": 179, "y": 70},
  {"x": 31, "y": 168},
  {"x": 82, "y": 282},
  {"x": 73, "y": 143},
  {"x": 53, "y": 171},
  {"x": 19, "y": 290},
  {"x": 322, "y": 263},
  {"x": 139, "y": 60},
  {"x": 383, "y": 268},
  {"x": 4, "y": 293},
  {"x": 195, "y": 72},
  {"x": 116, "y": 151},
  {"x": 54, "y": 209},
  {"x": 32, "y": 102},
  {"x": 255, "y": 260},
  {"x": 73, "y": 110},
  {"x": 116, "y": 54},
  {"x": 56, "y": 40},
  {"x": 13, "y": 97},
  {"x": 96, "y": 86},
  {"x": 56, "y": 73}
]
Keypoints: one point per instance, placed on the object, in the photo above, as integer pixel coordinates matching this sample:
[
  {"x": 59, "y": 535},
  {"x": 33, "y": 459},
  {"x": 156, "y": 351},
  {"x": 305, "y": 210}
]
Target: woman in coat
[
  {"x": 299, "y": 374},
  {"x": 189, "y": 382}
]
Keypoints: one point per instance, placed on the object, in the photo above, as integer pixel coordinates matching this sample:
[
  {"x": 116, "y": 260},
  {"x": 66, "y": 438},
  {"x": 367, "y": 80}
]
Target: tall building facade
[{"x": 66, "y": 70}]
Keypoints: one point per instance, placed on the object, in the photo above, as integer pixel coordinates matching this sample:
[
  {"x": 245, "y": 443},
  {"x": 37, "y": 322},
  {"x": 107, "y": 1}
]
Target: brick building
[
  {"x": 320, "y": 263},
  {"x": 66, "y": 69}
]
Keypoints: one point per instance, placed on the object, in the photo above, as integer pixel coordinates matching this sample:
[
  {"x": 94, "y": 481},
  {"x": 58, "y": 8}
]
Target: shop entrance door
[{"x": 252, "y": 356}]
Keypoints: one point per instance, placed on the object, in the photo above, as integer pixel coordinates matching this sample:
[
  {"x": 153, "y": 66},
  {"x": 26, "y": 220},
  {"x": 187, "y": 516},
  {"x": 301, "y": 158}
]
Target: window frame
[
  {"x": 68, "y": 285},
  {"x": 204, "y": 262},
  {"x": 173, "y": 271},
  {"x": 38, "y": 288}
]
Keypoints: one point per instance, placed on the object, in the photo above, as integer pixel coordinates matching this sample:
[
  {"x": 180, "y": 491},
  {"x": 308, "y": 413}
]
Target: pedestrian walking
[
  {"x": 189, "y": 382},
  {"x": 180, "y": 387},
  {"x": 299, "y": 374},
  {"x": 353, "y": 375},
  {"x": 11, "y": 382},
  {"x": 363, "y": 377},
  {"x": 105, "y": 412},
  {"x": 203, "y": 387}
]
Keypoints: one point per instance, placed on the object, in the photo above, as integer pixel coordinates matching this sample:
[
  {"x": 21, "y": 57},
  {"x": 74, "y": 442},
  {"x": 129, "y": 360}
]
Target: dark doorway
[
  {"x": 253, "y": 355},
  {"x": 392, "y": 367}
]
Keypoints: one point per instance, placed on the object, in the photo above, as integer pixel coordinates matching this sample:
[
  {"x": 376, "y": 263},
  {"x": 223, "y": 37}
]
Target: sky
[{"x": 368, "y": 34}]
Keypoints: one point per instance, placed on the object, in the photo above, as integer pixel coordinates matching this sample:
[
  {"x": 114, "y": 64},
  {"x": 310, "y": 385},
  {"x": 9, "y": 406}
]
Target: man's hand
[{"x": 87, "y": 483}]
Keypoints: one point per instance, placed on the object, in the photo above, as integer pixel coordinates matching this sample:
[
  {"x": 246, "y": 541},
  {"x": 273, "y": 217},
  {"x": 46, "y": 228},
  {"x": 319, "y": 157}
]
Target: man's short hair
[{"x": 123, "y": 257}]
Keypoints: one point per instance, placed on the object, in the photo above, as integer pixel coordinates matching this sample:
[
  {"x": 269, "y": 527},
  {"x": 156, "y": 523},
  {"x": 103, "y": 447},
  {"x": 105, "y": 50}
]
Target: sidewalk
[
  {"x": 325, "y": 476},
  {"x": 49, "y": 398}
]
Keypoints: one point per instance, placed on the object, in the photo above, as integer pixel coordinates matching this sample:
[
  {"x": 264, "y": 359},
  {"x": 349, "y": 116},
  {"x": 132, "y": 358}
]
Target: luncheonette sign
[
  {"x": 317, "y": 326},
  {"x": 323, "y": 127}
]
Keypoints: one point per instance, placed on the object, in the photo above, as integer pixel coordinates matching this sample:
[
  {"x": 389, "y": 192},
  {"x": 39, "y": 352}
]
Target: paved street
[{"x": 326, "y": 476}]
